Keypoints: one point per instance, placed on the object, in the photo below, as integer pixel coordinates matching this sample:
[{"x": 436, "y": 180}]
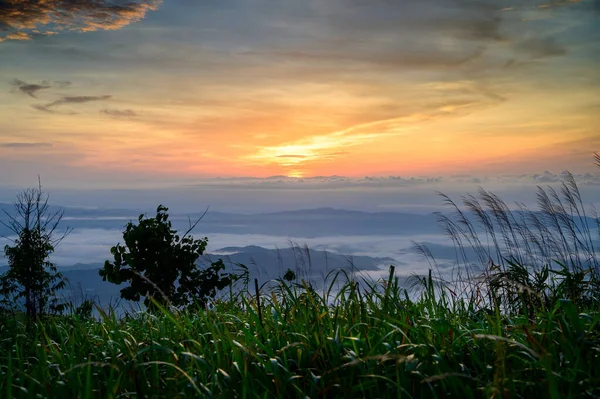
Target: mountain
[
  {"x": 267, "y": 264},
  {"x": 307, "y": 223}
]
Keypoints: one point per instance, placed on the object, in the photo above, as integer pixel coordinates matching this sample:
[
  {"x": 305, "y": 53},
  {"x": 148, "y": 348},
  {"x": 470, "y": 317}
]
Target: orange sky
[{"x": 173, "y": 90}]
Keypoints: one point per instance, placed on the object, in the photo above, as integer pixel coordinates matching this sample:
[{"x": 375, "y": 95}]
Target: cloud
[
  {"x": 458, "y": 182},
  {"x": 541, "y": 47},
  {"x": 459, "y": 18},
  {"x": 336, "y": 144},
  {"x": 43, "y": 108},
  {"x": 70, "y": 100},
  {"x": 432, "y": 34},
  {"x": 292, "y": 156},
  {"x": 461, "y": 36},
  {"x": 30, "y": 88},
  {"x": 62, "y": 83},
  {"x": 25, "y": 145},
  {"x": 80, "y": 99},
  {"x": 119, "y": 113},
  {"x": 26, "y": 19},
  {"x": 324, "y": 146},
  {"x": 323, "y": 182},
  {"x": 405, "y": 58},
  {"x": 477, "y": 92},
  {"x": 547, "y": 178},
  {"x": 16, "y": 36}
]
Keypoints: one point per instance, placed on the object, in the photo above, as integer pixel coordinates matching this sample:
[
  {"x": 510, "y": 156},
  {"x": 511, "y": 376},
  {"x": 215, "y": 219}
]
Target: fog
[{"x": 92, "y": 246}]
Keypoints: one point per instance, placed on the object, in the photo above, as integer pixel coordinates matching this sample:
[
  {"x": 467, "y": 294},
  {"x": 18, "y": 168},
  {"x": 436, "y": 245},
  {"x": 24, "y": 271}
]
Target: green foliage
[
  {"x": 289, "y": 275},
  {"x": 160, "y": 264},
  {"x": 84, "y": 310},
  {"x": 31, "y": 279},
  {"x": 347, "y": 342}
]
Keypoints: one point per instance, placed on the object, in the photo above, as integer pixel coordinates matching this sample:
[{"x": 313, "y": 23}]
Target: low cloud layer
[
  {"x": 26, "y": 19},
  {"x": 17, "y": 145},
  {"x": 399, "y": 181}
]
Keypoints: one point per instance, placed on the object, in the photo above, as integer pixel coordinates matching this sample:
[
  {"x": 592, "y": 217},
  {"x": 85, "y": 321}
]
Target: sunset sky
[{"x": 99, "y": 93}]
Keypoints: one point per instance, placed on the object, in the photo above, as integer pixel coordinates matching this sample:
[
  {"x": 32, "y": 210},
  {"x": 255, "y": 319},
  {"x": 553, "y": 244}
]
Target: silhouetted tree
[
  {"x": 158, "y": 263},
  {"x": 31, "y": 277}
]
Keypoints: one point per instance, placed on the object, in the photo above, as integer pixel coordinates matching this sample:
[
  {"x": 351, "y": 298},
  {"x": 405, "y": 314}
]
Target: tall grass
[
  {"x": 367, "y": 339},
  {"x": 517, "y": 258}
]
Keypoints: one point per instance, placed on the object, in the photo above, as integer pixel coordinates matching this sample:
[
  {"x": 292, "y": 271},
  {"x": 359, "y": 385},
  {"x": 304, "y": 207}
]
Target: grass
[{"x": 364, "y": 340}]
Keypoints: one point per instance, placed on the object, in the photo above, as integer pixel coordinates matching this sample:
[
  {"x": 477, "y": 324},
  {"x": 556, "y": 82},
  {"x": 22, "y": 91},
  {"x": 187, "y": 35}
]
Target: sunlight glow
[{"x": 494, "y": 92}]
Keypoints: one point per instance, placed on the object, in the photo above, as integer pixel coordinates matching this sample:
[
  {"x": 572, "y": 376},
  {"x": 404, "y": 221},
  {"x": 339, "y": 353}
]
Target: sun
[{"x": 296, "y": 173}]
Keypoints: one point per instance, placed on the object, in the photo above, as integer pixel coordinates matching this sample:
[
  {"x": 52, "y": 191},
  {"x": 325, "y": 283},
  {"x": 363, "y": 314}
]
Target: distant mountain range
[{"x": 307, "y": 223}]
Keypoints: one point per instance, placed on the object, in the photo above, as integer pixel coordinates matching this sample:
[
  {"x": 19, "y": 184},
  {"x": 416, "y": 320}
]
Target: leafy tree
[
  {"x": 84, "y": 310},
  {"x": 31, "y": 277},
  {"x": 158, "y": 263}
]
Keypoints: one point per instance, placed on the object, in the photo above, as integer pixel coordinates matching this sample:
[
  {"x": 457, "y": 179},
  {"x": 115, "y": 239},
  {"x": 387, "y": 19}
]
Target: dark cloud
[
  {"x": 43, "y": 108},
  {"x": 30, "y": 88},
  {"x": 402, "y": 34},
  {"x": 69, "y": 100},
  {"x": 62, "y": 83},
  {"x": 24, "y": 145},
  {"x": 119, "y": 113},
  {"x": 541, "y": 47},
  {"x": 461, "y": 35},
  {"x": 398, "y": 57},
  {"x": 488, "y": 28},
  {"x": 79, "y": 100},
  {"x": 472, "y": 20},
  {"x": 467, "y": 19},
  {"x": 26, "y": 19}
]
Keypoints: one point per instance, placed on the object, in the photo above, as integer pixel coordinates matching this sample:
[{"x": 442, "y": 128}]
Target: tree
[
  {"x": 31, "y": 277},
  {"x": 161, "y": 265}
]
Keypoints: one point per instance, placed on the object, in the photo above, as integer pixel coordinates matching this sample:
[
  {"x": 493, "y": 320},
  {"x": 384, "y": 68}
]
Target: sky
[{"x": 146, "y": 93}]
